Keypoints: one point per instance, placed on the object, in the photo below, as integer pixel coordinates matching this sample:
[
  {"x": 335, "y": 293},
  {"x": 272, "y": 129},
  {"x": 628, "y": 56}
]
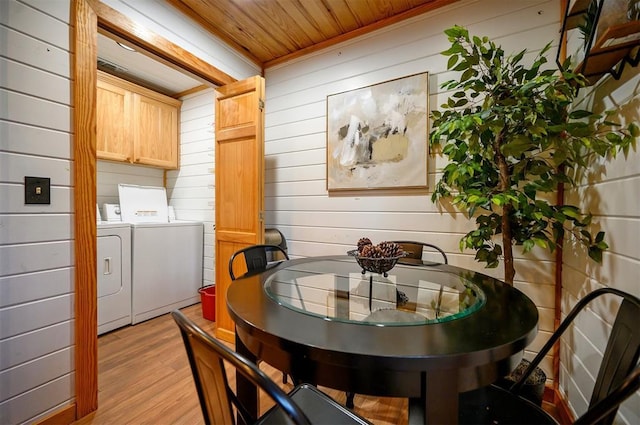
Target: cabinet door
[
  {"x": 155, "y": 140},
  {"x": 113, "y": 122}
]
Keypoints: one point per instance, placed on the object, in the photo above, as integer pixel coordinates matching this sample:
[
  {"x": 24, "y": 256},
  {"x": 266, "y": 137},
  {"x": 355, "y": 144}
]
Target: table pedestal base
[{"x": 438, "y": 401}]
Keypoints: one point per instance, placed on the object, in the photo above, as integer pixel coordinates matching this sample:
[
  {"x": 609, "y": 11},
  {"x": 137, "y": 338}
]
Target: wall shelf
[{"x": 618, "y": 46}]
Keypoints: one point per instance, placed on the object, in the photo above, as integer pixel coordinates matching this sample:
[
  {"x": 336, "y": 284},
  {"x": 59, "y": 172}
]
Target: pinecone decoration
[
  {"x": 367, "y": 251},
  {"x": 390, "y": 249},
  {"x": 362, "y": 242},
  {"x": 377, "y": 258}
]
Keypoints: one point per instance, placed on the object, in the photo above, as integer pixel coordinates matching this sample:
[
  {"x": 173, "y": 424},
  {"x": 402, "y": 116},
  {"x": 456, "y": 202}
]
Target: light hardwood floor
[{"x": 144, "y": 378}]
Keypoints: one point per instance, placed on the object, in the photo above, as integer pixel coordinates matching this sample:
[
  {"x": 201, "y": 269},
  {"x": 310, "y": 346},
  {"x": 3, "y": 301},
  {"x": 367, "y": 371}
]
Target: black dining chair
[
  {"x": 617, "y": 379},
  {"x": 305, "y": 404},
  {"x": 415, "y": 250},
  {"x": 256, "y": 258}
]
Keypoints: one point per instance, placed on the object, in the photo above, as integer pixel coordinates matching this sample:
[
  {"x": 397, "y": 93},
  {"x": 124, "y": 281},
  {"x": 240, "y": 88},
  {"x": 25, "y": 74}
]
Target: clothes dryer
[{"x": 114, "y": 275}]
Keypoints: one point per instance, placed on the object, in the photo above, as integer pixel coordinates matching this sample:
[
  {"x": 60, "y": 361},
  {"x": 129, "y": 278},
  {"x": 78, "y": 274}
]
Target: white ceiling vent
[{"x": 105, "y": 64}]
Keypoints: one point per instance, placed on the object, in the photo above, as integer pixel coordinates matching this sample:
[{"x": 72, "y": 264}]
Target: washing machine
[
  {"x": 166, "y": 256},
  {"x": 114, "y": 275}
]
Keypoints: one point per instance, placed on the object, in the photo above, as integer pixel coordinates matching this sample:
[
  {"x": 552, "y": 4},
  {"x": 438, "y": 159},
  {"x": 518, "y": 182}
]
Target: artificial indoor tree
[{"x": 512, "y": 137}]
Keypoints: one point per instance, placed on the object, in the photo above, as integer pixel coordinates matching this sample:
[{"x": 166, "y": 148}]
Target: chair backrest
[
  {"x": 256, "y": 258},
  {"x": 207, "y": 357},
  {"x": 621, "y": 353},
  {"x": 415, "y": 249},
  {"x": 609, "y": 405}
]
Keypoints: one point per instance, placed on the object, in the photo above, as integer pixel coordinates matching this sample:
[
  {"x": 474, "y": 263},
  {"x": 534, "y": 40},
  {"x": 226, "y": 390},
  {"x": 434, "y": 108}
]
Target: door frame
[{"x": 88, "y": 17}]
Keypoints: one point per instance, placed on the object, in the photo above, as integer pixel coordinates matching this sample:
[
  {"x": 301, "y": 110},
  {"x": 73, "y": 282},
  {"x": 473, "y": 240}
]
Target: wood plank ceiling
[{"x": 273, "y": 31}]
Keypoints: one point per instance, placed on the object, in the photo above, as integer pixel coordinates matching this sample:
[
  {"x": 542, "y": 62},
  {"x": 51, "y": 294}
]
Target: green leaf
[
  {"x": 541, "y": 243},
  {"x": 517, "y": 58},
  {"x": 453, "y": 50},
  {"x": 595, "y": 254},
  {"x": 452, "y": 61},
  {"x": 468, "y": 73},
  {"x": 519, "y": 145},
  {"x": 614, "y": 138},
  {"x": 457, "y": 31},
  {"x": 580, "y": 114},
  {"x": 570, "y": 211}
]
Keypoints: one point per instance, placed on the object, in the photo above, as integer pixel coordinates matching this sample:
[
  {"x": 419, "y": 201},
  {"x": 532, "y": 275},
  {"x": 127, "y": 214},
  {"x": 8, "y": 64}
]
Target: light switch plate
[{"x": 37, "y": 190}]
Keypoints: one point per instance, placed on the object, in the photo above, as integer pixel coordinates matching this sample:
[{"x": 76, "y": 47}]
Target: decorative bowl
[{"x": 375, "y": 265}]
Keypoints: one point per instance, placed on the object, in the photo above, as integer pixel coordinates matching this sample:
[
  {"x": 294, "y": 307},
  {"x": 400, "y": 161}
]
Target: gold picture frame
[{"x": 377, "y": 136}]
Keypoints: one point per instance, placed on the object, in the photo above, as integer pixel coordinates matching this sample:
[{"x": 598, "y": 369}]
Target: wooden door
[
  {"x": 239, "y": 171},
  {"x": 114, "y": 109}
]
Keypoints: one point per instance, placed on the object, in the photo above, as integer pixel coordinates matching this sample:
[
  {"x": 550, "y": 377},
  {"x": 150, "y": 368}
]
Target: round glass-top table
[
  {"x": 426, "y": 331},
  {"x": 331, "y": 289}
]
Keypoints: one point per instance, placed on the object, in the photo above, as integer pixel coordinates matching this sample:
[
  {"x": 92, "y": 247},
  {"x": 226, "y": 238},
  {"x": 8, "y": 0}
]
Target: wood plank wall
[
  {"x": 110, "y": 174},
  {"x": 36, "y": 245},
  {"x": 191, "y": 189},
  {"x": 316, "y": 223},
  {"x": 36, "y": 241},
  {"x": 609, "y": 192}
]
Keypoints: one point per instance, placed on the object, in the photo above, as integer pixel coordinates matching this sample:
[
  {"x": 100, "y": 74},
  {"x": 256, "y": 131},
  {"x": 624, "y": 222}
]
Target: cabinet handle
[{"x": 106, "y": 266}]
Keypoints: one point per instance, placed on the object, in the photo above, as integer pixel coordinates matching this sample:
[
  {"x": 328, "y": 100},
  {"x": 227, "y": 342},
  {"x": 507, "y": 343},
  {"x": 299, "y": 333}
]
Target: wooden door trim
[
  {"x": 84, "y": 195},
  {"x": 157, "y": 47},
  {"x": 86, "y": 18}
]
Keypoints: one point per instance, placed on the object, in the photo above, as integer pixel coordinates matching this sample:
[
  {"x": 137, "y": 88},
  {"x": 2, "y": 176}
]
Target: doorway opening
[{"x": 88, "y": 18}]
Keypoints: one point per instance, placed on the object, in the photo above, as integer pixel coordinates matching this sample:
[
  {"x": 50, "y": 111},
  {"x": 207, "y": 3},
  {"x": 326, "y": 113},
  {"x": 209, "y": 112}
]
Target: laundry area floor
[{"x": 144, "y": 378}]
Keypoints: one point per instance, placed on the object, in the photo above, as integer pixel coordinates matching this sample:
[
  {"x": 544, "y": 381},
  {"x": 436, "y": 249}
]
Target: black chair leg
[{"x": 350, "y": 396}]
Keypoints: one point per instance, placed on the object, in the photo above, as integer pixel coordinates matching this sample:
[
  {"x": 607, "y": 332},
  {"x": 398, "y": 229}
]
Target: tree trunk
[
  {"x": 505, "y": 184},
  {"x": 507, "y": 246}
]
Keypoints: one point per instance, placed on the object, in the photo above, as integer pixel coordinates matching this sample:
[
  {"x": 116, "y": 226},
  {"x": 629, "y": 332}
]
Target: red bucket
[{"x": 208, "y": 298}]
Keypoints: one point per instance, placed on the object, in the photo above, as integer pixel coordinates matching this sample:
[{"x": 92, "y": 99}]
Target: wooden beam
[
  {"x": 157, "y": 47},
  {"x": 191, "y": 91},
  {"x": 85, "y": 49}
]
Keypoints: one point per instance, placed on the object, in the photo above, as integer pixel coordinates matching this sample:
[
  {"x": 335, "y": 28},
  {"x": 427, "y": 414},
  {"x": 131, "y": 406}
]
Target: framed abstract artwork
[{"x": 377, "y": 136}]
